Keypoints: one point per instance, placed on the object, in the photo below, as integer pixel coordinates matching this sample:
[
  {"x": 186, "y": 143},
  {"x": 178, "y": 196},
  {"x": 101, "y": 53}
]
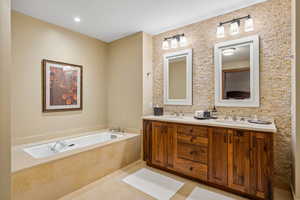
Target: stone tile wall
[{"x": 272, "y": 20}]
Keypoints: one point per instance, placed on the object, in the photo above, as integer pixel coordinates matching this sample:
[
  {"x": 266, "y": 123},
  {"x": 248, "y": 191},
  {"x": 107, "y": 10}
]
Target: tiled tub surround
[
  {"x": 55, "y": 176},
  {"x": 272, "y": 20}
]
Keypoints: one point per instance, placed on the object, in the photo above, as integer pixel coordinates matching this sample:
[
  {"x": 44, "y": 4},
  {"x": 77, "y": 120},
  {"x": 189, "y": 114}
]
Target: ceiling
[{"x": 108, "y": 20}]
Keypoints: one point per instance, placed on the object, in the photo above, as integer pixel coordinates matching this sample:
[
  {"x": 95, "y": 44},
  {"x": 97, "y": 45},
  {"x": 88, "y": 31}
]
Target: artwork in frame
[{"x": 62, "y": 86}]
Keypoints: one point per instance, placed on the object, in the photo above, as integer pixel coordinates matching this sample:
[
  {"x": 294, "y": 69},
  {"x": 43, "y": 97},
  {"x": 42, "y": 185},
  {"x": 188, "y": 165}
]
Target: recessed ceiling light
[{"x": 77, "y": 19}]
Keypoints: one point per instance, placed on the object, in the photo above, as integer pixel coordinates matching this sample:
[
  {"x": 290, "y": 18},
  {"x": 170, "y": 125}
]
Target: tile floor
[{"x": 112, "y": 187}]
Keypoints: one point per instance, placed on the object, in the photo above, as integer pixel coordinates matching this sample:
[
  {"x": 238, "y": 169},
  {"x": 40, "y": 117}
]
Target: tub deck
[{"x": 22, "y": 160}]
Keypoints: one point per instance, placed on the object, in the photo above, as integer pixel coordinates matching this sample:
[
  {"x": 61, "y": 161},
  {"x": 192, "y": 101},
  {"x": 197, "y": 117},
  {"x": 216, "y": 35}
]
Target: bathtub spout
[{"x": 60, "y": 142}]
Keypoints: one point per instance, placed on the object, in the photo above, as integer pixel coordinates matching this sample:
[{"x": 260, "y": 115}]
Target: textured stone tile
[{"x": 272, "y": 20}]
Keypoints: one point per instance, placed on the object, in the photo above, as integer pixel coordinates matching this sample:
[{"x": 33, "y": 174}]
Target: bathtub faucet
[
  {"x": 118, "y": 129},
  {"x": 60, "y": 142}
]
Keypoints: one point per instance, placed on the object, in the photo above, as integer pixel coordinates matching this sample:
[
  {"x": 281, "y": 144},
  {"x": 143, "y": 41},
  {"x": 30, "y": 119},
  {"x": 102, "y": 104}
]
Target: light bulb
[
  {"x": 182, "y": 41},
  {"x": 220, "y": 32},
  {"x": 174, "y": 43},
  {"x": 234, "y": 28},
  {"x": 165, "y": 45},
  {"x": 249, "y": 25},
  {"x": 77, "y": 19}
]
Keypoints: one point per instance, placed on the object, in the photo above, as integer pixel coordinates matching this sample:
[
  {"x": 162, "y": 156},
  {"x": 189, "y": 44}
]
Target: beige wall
[
  {"x": 5, "y": 69},
  {"x": 34, "y": 40},
  {"x": 125, "y": 82},
  {"x": 147, "y": 74},
  {"x": 295, "y": 97},
  {"x": 273, "y": 24}
]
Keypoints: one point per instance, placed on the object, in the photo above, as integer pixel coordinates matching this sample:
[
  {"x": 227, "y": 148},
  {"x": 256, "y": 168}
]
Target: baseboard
[
  {"x": 293, "y": 193},
  {"x": 56, "y": 134}
]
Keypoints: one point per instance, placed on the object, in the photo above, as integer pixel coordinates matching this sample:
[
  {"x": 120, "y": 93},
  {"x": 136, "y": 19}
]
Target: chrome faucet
[
  {"x": 118, "y": 129},
  {"x": 178, "y": 114},
  {"x": 60, "y": 142}
]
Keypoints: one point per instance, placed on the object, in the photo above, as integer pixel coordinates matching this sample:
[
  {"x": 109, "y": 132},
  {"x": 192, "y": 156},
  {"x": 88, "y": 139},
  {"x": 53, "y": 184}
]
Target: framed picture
[{"x": 62, "y": 86}]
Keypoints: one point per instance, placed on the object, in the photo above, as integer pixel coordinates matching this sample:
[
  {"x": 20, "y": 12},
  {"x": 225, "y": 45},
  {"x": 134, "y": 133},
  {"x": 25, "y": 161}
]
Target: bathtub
[
  {"x": 84, "y": 159},
  {"x": 60, "y": 146}
]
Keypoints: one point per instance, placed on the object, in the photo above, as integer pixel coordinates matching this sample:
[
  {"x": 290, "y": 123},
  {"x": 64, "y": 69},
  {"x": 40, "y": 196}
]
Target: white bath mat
[
  {"x": 202, "y": 194},
  {"x": 156, "y": 185}
]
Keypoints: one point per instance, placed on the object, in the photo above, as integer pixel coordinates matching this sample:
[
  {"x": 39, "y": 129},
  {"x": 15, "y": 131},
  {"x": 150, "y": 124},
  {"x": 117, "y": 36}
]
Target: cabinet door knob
[{"x": 191, "y": 168}]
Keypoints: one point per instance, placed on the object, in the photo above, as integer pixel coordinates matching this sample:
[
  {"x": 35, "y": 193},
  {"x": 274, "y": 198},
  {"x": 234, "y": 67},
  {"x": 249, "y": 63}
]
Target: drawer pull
[
  {"x": 193, "y": 138},
  {"x": 191, "y": 168},
  {"x": 193, "y": 152}
]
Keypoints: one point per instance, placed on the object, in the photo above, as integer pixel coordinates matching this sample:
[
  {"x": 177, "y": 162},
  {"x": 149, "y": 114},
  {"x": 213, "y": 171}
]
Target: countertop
[{"x": 271, "y": 128}]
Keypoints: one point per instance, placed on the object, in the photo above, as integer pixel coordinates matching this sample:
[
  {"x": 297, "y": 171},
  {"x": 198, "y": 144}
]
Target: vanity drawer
[
  {"x": 193, "y": 130},
  {"x": 190, "y": 168},
  {"x": 191, "y": 152},
  {"x": 191, "y": 139}
]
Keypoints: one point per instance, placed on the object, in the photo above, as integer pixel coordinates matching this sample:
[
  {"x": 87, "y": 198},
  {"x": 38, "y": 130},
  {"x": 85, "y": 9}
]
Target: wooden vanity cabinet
[
  {"x": 161, "y": 146},
  {"x": 261, "y": 163},
  {"x": 240, "y": 161},
  {"x": 218, "y": 156},
  {"x": 191, "y": 151}
]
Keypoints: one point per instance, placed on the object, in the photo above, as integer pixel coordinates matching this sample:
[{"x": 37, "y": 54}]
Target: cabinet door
[
  {"x": 158, "y": 143},
  {"x": 239, "y": 160},
  {"x": 170, "y": 135},
  {"x": 218, "y": 152},
  {"x": 147, "y": 132},
  {"x": 261, "y": 165}
]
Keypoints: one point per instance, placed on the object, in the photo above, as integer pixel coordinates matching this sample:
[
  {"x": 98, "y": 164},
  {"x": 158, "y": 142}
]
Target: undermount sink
[
  {"x": 231, "y": 121},
  {"x": 171, "y": 116}
]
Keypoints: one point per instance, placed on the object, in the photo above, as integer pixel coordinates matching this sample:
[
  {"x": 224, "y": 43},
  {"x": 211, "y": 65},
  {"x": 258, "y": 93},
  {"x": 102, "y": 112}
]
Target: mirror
[
  {"x": 178, "y": 78},
  {"x": 237, "y": 73}
]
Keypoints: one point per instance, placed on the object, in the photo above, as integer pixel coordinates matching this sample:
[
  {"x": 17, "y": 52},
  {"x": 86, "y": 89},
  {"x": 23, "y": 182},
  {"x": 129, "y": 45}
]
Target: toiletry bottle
[{"x": 214, "y": 112}]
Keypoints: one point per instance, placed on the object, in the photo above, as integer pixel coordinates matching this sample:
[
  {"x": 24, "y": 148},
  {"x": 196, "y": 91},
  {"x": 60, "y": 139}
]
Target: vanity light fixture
[
  {"x": 220, "y": 31},
  {"x": 182, "y": 41},
  {"x": 165, "y": 45},
  {"x": 174, "y": 43},
  {"x": 176, "y": 40},
  {"x": 249, "y": 25},
  {"x": 235, "y": 26},
  {"x": 229, "y": 52}
]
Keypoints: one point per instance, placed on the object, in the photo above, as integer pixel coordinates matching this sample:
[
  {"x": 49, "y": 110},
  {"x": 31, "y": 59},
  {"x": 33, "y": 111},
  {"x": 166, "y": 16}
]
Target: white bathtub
[{"x": 46, "y": 150}]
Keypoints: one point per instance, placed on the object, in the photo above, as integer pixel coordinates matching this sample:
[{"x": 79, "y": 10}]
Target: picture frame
[{"x": 62, "y": 86}]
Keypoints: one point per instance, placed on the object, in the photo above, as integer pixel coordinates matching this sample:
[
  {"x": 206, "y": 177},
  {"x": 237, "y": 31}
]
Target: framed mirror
[
  {"x": 237, "y": 73},
  {"x": 178, "y": 74}
]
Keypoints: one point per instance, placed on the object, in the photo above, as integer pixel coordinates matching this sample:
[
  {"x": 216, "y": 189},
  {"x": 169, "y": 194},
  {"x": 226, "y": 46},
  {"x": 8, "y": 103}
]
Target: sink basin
[
  {"x": 231, "y": 121},
  {"x": 171, "y": 116}
]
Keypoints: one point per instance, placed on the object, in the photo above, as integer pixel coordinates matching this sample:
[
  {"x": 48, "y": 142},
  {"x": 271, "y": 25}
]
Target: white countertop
[{"x": 215, "y": 123}]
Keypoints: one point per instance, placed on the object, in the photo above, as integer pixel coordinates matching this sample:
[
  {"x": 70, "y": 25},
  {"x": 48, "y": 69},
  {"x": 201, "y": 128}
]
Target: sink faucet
[
  {"x": 60, "y": 142},
  {"x": 176, "y": 114},
  {"x": 234, "y": 118}
]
